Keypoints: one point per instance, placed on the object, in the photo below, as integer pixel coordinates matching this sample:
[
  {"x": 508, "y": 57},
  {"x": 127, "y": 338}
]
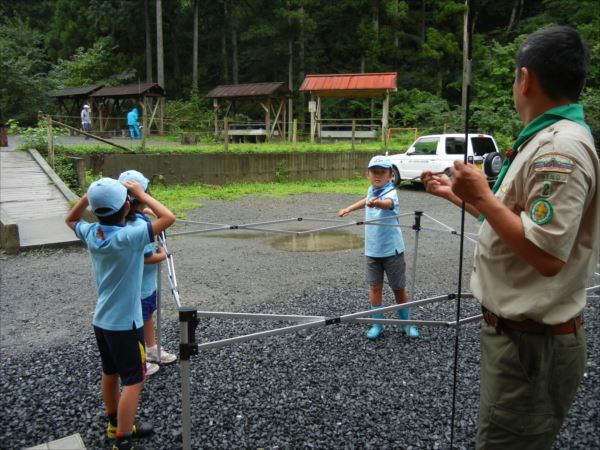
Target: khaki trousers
[{"x": 528, "y": 383}]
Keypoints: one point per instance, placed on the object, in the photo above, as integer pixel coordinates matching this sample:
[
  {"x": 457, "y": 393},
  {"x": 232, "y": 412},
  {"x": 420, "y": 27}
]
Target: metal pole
[
  {"x": 187, "y": 327},
  {"x": 158, "y": 307},
  {"x": 417, "y": 228}
]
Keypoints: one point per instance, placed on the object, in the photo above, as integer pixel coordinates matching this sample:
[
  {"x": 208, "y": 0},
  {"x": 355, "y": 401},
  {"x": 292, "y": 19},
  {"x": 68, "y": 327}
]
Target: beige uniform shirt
[{"x": 554, "y": 185}]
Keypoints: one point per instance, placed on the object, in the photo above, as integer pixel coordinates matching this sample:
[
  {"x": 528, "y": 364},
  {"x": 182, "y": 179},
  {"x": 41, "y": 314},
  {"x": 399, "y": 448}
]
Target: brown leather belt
[{"x": 531, "y": 326}]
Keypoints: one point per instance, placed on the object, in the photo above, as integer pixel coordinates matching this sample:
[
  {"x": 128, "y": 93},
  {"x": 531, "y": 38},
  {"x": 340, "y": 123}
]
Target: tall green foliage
[{"x": 23, "y": 65}]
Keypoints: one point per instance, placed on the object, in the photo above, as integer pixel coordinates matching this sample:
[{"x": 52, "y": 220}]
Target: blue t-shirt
[
  {"x": 117, "y": 254},
  {"x": 150, "y": 270},
  {"x": 382, "y": 242}
]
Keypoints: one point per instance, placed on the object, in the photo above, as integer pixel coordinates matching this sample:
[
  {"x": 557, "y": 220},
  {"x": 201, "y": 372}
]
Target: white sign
[{"x": 312, "y": 106}]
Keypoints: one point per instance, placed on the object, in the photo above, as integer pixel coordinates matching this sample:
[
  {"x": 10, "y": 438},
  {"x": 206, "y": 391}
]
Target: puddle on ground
[{"x": 326, "y": 241}]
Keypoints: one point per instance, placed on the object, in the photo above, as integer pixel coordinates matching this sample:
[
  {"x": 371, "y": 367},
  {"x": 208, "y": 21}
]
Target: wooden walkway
[{"x": 35, "y": 199}]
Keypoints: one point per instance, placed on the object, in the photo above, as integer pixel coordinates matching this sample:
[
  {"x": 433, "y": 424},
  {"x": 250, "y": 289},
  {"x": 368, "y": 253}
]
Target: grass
[
  {"x": 396, "y": 146},
  {"x": 180, "y": 198}
]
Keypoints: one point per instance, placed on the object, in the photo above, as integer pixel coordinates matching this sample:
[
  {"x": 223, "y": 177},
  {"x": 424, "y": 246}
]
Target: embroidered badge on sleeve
[
  {"x": 553, "y": 162},
  {"x": 541, "y": 211}
]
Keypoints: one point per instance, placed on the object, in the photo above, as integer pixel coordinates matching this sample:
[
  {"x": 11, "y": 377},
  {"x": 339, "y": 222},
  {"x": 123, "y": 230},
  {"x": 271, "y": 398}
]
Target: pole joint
[
  {"x": 188, "y": 319},
  {"x": 417, "y": 225}
]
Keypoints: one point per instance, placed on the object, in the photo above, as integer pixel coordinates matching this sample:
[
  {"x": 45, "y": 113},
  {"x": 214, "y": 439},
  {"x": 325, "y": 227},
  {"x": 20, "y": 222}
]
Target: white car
[{"x": 437, "y": 153}]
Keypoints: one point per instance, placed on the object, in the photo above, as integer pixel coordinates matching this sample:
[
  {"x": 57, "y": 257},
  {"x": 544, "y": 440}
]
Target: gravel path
[{"x": 322, "y": 388}]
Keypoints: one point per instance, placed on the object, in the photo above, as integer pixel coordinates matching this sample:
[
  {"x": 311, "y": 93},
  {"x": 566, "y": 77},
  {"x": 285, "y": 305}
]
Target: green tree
[
  {"x": 23, "y": 64},
  {"x": 95, "y": 65}
]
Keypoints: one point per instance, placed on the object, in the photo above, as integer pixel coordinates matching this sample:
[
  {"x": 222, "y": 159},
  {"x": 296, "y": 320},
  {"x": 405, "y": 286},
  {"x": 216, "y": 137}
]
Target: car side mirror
[{"x": 410, "y": 150}]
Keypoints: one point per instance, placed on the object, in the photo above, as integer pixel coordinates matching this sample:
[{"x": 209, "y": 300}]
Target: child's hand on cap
[{"x": 134, "y": 188}]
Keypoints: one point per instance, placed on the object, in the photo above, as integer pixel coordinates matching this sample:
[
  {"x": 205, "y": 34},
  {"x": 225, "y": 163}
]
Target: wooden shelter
[
  {"x": 71, "y": 101},
  {"x": 271, "y": 96},
  {"x": 370, "y": 85},
  {"x": 110, "y": 105}
]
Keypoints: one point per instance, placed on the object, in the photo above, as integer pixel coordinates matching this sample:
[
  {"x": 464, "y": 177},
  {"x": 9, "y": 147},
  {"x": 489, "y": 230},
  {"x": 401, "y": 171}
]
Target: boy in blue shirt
[
  {"x": 384, "y": 245},
  {"x": 117, "y": 254},
  {"x": 152, "y": 256}
]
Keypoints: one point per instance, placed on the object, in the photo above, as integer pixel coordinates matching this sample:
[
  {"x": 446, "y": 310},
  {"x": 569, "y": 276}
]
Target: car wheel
[
  {"x": 492, "y": 163},
  {"x": 396, "y": 180}
]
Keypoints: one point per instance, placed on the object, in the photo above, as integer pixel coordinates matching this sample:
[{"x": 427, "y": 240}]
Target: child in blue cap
[
  {"x": 152, "y": 256},
  {"x": 384, "y": 245},
  {"x": 117, "y": 254}
]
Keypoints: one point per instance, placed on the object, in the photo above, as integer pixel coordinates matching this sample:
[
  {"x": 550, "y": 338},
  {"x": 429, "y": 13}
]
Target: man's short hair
[{"x": 559, "y": 59}]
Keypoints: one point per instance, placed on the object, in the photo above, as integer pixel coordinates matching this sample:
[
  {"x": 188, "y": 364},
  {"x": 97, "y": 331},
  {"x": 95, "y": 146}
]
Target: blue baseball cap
[
  {"x": 106, "y": 196},
  {"x": 380, "y": 161},
  {"x": 134, "y": 175}
]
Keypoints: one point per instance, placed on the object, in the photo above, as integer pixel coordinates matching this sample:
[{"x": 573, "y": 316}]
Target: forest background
[{"x": 54, "y": 44}]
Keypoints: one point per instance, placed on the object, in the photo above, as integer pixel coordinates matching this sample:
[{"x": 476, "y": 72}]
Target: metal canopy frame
[{"x": 189, "y": 317}]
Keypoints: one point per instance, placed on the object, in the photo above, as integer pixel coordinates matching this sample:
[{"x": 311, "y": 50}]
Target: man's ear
[{"x": 525, "y": 80}]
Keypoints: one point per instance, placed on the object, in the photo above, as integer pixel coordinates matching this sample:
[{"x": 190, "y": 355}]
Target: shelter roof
[
  {"x": 131, "y": 90},
  {"x": 80, "y": 91},
  {"x": 350, "y": 84},
  {"x": 274, "y": 89}
]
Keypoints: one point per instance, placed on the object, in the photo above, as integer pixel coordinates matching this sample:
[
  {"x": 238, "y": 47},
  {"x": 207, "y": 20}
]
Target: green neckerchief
[{"x": 573, "y": 112}]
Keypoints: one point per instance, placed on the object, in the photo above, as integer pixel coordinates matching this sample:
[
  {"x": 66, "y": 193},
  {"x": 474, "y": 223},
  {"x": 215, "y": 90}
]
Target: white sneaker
[
  {"x": 165, "y": 357},
  {"x": 151, "y": 368}
]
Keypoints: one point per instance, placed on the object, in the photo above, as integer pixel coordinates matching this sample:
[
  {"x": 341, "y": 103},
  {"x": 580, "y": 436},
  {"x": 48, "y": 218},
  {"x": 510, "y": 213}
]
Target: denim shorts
[
  {"x": 393, "y": 266},
  {"x": 148, "y": 306}
]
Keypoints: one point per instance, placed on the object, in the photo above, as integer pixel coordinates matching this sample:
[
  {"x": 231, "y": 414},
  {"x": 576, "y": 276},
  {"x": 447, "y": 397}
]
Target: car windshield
[
  {"x": 426, "y": 146},
  {"x": 482, "y": 145}
]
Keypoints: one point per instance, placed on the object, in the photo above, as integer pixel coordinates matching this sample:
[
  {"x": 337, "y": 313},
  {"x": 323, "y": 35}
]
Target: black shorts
[{"x": 122, "y": 352}]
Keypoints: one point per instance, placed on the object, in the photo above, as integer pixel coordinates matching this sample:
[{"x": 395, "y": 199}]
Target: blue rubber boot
[
  {"x": 377, "y": 328},
  {"x": 409, "y": 330}
]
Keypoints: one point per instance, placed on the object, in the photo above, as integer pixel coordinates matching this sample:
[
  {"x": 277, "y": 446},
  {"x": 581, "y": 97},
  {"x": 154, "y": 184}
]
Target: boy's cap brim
[
  {"x": 380, "y": 161},
  {"x": 106, "y": 196}
]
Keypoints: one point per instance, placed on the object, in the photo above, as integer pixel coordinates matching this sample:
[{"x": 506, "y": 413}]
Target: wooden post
[
  {"x": 216, "y": 116},
  {"x": 50, "y": 143},
  {"x": 101, "y": 115},
  {"x": 225, "y": 134},
  {"x": 294, "y": 132},
  {"x": 162, "y": 116},
  {"x": 353, "y": 132},
  {"x": 268, "y": 120},
  {"x": 312, "y": 110},
  {"x": 79, "y": 165},
  {"x": 385, "y": 119},
  {"x": 319, "y": 118}
]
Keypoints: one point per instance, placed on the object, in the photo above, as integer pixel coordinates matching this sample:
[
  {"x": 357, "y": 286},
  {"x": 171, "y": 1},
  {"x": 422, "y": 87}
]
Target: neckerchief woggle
[
  {"x": 377, "y": 192},
  {"x": 572, "y": 112}
]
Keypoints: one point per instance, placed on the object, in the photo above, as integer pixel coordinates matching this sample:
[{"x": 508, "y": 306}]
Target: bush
[{"x": 188, "y": 115}]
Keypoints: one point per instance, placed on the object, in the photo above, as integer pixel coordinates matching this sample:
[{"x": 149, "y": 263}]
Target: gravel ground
[{"x": 320, "y": 388}]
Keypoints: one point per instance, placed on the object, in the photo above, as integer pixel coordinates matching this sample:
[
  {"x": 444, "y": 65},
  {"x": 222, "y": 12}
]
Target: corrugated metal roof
[
  {"x": 81, "y": 91},
  {"x": 350, "y": 84},
  {"x": 131, "y": 90},
  {"x": 274, "y": 89}
]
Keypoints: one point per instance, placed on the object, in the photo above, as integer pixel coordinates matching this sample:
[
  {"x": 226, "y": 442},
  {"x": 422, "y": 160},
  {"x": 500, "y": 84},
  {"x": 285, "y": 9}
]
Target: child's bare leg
[
  {"x": 401, "y": 296},
  {"x": 149, "y": 337},
  {"x": 128, "y": 407},
  {"x": 375, "y": 294},
  {"x": 110, "y": 392}
]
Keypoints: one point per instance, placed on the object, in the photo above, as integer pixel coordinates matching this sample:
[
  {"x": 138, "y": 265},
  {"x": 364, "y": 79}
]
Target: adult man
[
  {"x": 86, "y": 120},
  {"x": 537, "y": 247}
]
